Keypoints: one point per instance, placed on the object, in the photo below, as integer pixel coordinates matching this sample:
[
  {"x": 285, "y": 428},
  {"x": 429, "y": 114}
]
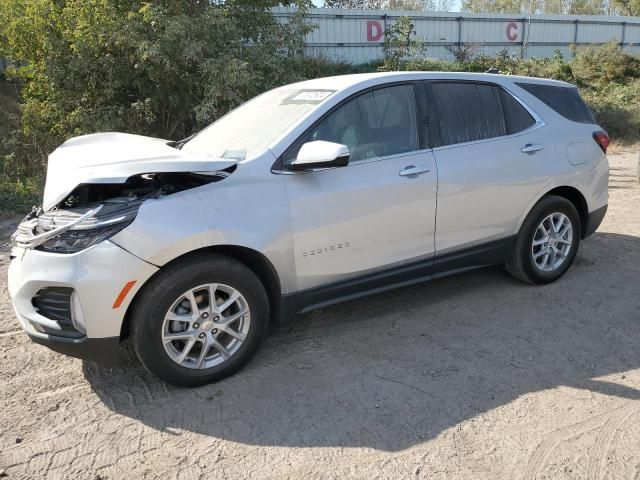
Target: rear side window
[
  {"x": 564, "y": 100},
  {"x": 468, "y": 112},
  {"x": 472, "y": 111}
]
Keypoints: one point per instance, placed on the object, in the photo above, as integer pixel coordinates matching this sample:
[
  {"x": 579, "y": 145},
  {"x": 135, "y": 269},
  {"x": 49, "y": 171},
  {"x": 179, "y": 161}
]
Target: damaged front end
[{"x": 94, "y": 212}]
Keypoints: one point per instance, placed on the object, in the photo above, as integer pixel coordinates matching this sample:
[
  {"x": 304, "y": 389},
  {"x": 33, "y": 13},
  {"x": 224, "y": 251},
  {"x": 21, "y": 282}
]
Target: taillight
[{"x": 602, "y": 138}]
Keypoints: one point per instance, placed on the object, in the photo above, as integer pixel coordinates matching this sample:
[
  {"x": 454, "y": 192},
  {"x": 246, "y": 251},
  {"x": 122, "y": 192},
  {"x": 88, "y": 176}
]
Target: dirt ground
[{"x": 469, "y": 377}]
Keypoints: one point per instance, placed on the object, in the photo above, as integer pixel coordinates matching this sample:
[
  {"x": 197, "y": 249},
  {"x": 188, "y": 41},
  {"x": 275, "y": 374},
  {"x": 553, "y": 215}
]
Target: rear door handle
[
  {"x": 413, "y": 170},
  {"x": 531, "y": 148}
]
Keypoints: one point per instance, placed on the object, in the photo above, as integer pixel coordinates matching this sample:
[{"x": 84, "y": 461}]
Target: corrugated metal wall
[{"x": 356, "y": 36}]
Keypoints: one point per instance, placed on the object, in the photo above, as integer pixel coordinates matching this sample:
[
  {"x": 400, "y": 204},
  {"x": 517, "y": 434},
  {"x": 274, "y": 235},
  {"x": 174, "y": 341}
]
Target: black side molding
[{"x": 424, "y": 269}]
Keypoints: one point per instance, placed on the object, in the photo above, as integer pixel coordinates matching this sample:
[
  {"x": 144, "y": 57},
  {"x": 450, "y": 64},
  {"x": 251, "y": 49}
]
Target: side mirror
[{"x": 320, "y": 154}]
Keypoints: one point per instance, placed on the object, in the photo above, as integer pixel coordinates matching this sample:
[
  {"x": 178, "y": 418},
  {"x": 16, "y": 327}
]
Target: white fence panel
[{"x": 356, "y": 36}]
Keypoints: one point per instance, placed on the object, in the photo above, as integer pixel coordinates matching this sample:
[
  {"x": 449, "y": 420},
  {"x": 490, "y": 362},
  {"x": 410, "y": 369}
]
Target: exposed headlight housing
[
  {"x": 67, "y": 231},
  {"x": 75, "y": 240},
  {"x": 93, "y": 212}
]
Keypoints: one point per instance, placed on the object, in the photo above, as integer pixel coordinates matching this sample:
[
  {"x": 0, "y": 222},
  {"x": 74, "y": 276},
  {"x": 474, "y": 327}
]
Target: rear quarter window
[
  {"x": 516, "y": 117},
  {"x": 564, "y": 100}
]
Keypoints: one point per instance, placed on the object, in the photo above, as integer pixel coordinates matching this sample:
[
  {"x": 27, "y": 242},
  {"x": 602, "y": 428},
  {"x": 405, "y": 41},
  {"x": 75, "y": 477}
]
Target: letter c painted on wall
[
  {"x": 374, "y": 31},
  {"x": 512, "y": 31}
]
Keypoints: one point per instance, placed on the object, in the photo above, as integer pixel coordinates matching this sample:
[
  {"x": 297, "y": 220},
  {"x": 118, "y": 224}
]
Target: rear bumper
[
  {"x": 594, "y": 221},
  {"x": 104, "y": 351}
]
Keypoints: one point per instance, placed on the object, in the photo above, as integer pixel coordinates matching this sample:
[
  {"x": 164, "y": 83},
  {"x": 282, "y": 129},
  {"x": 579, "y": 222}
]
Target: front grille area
[{"x": 54, "y": 303}]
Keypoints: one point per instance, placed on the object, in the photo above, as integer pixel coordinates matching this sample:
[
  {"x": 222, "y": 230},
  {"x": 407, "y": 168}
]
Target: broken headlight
[
  {"x": 72, "y": 240},
  {"x": 70, "y": 231},
  {"x": 103, "y": 224}
]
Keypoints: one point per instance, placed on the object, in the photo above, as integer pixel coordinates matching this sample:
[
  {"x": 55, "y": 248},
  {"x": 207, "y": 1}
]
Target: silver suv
[{"x": 308, "y": 195}]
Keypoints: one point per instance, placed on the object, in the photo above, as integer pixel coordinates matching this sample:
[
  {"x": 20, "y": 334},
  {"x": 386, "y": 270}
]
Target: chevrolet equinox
[{"x": 307, "y": 195}]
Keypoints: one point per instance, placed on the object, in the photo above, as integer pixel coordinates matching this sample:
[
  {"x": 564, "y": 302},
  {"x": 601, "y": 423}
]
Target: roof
[{"x": 363, "y": 80}]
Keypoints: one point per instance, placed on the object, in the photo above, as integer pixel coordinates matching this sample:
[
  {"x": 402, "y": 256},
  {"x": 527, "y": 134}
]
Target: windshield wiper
[{"x": 178, "y": 144}]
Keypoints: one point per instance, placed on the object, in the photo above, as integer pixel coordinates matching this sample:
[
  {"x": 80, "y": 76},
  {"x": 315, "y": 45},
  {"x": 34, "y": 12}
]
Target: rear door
[
  {"x": 373, "y": 213},
  {"x": 493, "y": 159}
]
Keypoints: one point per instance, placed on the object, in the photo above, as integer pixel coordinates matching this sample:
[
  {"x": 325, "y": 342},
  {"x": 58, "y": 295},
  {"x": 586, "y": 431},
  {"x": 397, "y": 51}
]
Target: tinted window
[
  {"x": 468, "y": 112},
  {"x": 564, "y": 100},
  {"x": 516, "y": 116},
  {"x": 375, "y": 124}
]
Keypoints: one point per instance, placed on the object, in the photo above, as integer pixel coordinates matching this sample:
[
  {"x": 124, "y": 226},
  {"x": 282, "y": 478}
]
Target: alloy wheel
[
  {"x": 552, "y": 242},
  {"x": 206, "y": 326}
]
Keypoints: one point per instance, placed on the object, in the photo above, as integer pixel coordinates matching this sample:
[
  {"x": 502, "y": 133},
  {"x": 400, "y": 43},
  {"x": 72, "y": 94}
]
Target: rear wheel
[
  {"x": 200, "y": 320},
  {"x": 547, "y": 242}
]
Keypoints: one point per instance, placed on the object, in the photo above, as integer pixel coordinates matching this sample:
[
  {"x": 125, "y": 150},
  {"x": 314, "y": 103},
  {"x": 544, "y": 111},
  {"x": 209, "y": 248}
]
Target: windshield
[{"x": 249, "y": 129}]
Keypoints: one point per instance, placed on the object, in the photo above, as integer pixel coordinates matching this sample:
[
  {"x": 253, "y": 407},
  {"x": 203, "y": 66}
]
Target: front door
[{"x": 378, "y": 211}]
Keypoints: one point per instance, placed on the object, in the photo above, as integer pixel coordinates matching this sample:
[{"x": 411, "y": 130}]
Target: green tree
[
  {"x": 368, "y": 4},
  {"x": 422, "y": 5},
  {"x": 627, "y": 7},
  {"x": 558, "y": 7},
  {"x": 400, "y": 43},
  {"x": 163, "y": 68},
  {"x": 492, "y": 6}
]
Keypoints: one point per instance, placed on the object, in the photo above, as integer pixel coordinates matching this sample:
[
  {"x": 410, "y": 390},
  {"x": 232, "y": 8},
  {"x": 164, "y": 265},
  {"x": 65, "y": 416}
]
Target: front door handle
[
  {"x": 531, "y": 148},
  {"x": 413, "y": 170}
]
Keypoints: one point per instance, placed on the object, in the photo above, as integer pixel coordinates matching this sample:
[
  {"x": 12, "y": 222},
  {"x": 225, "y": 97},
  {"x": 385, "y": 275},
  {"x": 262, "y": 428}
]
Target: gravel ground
[{"x": 472, "y": 376}]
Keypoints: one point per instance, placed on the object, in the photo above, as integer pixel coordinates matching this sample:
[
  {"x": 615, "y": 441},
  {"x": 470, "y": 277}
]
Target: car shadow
[{"x": 397, "y": 368}]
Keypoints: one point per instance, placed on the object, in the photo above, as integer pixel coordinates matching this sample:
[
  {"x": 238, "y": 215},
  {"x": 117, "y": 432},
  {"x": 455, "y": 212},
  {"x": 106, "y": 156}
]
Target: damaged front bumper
[
  {"x": 70, "y": 285},
  {"x": 68, "y": 302}
]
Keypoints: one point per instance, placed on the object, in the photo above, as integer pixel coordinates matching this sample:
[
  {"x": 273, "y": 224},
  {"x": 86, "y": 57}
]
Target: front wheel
[
  {"x": 200, "y": 320},
  {"x": 547, "y": 242}
]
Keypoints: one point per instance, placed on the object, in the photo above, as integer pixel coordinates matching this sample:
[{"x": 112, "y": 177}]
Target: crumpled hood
[{"x": 113, "y": 158}]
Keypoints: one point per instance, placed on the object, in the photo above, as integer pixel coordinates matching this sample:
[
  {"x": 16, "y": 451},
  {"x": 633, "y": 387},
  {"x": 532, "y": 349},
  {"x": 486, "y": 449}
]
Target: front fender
[{"x": 249, "y": 209}]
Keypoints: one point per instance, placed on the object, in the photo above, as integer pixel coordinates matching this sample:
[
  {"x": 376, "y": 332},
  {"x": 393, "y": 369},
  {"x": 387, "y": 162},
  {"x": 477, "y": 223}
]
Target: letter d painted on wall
[{"x": 374, "y": 31}]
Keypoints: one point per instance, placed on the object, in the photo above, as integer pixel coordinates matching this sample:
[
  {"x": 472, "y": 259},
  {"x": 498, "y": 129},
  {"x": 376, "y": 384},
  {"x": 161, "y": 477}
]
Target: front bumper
[
  {"x": 104, "y": 351},
  {"x": 97, "y": 276}
]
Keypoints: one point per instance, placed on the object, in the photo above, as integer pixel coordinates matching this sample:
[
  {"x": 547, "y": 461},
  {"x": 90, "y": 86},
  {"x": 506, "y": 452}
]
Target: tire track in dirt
[
  {"x": 552, "y": 440},
  {"x": 605, "y": 426},
  {"x": 605, "y": 438}
]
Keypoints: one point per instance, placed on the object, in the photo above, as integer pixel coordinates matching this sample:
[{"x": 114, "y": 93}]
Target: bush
[
  {"x": 617, "y": 109},
  {"x": 599, "y": 66},
  {"x": 17, "y": 197}
]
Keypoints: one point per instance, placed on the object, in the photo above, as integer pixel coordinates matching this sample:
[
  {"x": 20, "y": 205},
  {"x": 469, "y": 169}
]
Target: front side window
[{"x": 375, "y": 124}]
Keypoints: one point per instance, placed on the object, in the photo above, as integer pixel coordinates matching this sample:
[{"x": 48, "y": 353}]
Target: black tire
[
  {"x": 521, "y": 265},
  {"x": 166, "y": 287}
]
